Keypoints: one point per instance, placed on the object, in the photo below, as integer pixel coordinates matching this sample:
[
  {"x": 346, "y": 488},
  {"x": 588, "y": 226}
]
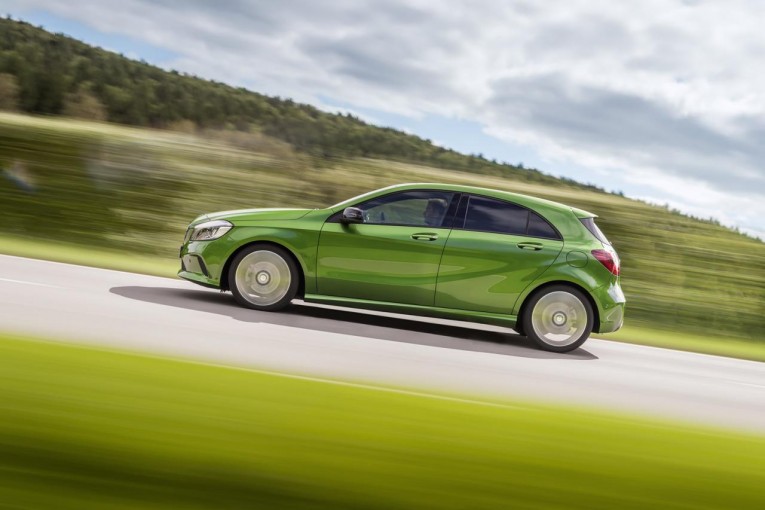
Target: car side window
[
  {"x": 415, "y": 208},
  {"x": 538, "y": 227},
  {"x": 490, "y": 215}
]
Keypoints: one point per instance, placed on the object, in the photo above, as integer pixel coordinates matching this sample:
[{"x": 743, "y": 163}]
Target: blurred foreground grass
[
  {"x": 84, "y": 428},
  {"x": 114, "y": 189}
]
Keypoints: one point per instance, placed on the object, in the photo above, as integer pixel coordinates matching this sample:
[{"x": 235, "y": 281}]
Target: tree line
[{"x": 53, "y": 74}]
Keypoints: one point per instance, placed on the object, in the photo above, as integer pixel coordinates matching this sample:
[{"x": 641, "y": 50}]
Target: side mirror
[{"x": 353, "y": 215}]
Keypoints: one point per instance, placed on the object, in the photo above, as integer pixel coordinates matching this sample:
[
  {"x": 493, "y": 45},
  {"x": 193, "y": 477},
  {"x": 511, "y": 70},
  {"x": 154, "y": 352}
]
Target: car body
[{"x": 439, "y": 250}]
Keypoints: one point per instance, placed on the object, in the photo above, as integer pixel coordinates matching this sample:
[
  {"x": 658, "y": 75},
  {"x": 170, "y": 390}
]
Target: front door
[{"x": 393, "y": 255}]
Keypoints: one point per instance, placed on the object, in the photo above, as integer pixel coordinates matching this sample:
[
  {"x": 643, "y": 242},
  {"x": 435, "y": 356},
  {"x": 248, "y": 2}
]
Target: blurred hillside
[
  {"x": 107, "y": 186},
  {"x": 52, "y": 74}
]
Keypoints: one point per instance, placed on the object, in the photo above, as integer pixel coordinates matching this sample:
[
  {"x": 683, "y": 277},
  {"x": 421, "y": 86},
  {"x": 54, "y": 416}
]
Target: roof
[{"x": 525, "y": 200}]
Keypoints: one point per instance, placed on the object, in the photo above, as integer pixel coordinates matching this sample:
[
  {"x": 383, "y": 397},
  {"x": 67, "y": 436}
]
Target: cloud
[
  {"x": 666, "y": 93},
  {"x": 630, "y": 132}
]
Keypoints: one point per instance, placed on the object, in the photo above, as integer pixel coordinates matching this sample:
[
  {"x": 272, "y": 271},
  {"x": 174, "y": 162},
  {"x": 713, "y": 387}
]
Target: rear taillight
[{"x": 608, "y": 259}]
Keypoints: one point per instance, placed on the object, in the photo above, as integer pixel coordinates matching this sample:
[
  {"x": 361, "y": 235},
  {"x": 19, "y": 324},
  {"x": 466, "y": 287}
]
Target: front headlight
[{"x": 210, "y": 230}]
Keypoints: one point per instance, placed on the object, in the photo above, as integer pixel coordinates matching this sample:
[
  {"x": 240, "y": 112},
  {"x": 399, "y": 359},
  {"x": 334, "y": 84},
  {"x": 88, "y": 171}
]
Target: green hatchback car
[{"x": 438, "y": 250}]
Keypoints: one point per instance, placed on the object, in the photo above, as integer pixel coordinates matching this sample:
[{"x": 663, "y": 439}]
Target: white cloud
[
  {"x": 703, "y": 200},
  {"x": 666, "y": 93}
]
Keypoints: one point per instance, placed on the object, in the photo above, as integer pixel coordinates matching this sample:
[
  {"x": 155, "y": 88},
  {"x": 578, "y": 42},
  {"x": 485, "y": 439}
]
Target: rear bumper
[{"x": 611, "y": 304}]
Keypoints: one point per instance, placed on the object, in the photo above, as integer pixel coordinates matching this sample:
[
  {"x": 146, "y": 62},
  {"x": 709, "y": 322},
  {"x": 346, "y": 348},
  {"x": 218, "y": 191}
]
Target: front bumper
[
  {"x": 203, "y": 262},
  {"x": 194, "y": 269},
  {"x": 198, "y": 279}
]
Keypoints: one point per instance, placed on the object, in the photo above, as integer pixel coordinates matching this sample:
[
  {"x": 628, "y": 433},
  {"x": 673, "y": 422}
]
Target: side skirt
[{"x": 419, "y": 310}]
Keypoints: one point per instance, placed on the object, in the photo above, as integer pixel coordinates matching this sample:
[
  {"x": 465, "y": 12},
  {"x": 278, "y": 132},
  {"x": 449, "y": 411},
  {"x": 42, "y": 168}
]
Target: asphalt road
[{"x": 173, "y": 317}]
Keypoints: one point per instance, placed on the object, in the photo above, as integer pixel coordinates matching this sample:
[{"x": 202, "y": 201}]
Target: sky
[{"x": 662, "y": 100}]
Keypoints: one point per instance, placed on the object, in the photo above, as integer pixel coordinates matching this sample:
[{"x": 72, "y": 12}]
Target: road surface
[{"x": 172, "y": 317}]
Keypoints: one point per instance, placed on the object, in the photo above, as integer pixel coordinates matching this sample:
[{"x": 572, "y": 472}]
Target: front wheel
[
  {"x": 263, "y": 278},
  {"x": 558, "y": 318}
]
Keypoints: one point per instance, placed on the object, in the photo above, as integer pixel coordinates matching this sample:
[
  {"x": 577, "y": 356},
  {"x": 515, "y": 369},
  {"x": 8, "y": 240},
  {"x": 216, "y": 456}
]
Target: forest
[{"x": 51, "y": 74}]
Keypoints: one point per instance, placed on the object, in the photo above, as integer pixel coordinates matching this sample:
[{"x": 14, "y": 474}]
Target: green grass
[
  {"x": 711, "y": 343},
  {"x": 94, "y": 257},
  {"x": 84, "y": 428}
]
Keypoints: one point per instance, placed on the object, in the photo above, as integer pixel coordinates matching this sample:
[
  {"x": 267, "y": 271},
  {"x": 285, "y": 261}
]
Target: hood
[{"x": 254, "y": 215}]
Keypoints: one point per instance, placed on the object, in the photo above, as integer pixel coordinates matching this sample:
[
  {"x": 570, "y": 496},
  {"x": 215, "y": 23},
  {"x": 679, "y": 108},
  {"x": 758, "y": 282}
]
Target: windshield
[
  {"x": 593, "y": 228},
  {"x": 358, "y": 198}
]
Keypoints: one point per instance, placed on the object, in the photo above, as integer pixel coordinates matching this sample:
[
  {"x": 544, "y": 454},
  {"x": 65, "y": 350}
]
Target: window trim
[
  {"x": 463, "y": 211},
  {"x": 447, "y": 222}
]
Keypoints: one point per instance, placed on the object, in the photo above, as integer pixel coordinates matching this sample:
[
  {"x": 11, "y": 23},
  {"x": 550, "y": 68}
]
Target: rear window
[
  {"x": 488, "y": 215},
  {"x": 593, "y": 228},
  {"x": 538, "y": 227}
]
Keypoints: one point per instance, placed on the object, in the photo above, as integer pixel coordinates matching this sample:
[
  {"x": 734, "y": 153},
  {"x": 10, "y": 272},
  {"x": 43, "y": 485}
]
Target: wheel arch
[
  {"x": 567, "y": 283},
  {"x": 224, "y": 283}
]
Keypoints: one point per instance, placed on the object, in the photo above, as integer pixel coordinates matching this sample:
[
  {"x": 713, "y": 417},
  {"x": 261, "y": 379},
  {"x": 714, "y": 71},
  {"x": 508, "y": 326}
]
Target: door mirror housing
[{"x": 353, "y": 215}]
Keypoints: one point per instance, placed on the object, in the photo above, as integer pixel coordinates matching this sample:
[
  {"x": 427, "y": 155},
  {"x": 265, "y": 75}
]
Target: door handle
[
  {"x": 530, "y": 246},
  {"x": 425, "y": 237}
]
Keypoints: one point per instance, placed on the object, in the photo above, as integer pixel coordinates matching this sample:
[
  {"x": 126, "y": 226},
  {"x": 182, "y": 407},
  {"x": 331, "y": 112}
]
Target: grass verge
[
  {"x": 86, "y": 256},
  {"x": 711, "y": 344},
  {"x": 85, "y": 428}
]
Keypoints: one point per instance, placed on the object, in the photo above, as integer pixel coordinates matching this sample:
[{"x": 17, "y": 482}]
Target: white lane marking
[
  {"x": 24, "y": 282},
  {"x": 286, "y": 375},
  {"x": 335, "y": 382}
]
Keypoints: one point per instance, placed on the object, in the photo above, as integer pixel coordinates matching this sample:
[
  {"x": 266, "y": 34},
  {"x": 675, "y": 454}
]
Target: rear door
[{"x": 495, "y": 250}]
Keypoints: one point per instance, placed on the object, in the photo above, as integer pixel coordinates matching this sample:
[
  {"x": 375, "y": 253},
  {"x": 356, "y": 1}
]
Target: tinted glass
[
  {"x": 538, "y": 227},
  {"x": 416, "y": 208},
  {"x": 593, "y": 228},
  {"x": 488, "y": 215}
]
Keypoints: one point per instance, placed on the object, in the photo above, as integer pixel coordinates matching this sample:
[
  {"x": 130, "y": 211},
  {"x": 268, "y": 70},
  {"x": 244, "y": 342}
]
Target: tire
[
  {"x": 263, "y": 277},
  {"x": 558, "y": 318}
]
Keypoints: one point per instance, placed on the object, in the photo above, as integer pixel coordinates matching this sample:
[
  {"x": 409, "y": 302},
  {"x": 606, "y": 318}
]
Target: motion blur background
[
  {"x": 104, "y": 160},
  {"x": 200, "y": 146}
]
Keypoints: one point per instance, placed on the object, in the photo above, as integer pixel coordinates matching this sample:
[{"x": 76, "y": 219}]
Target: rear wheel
[
  {"x": 263, "y": 278},
  {"x": 558, "y": 318}
]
